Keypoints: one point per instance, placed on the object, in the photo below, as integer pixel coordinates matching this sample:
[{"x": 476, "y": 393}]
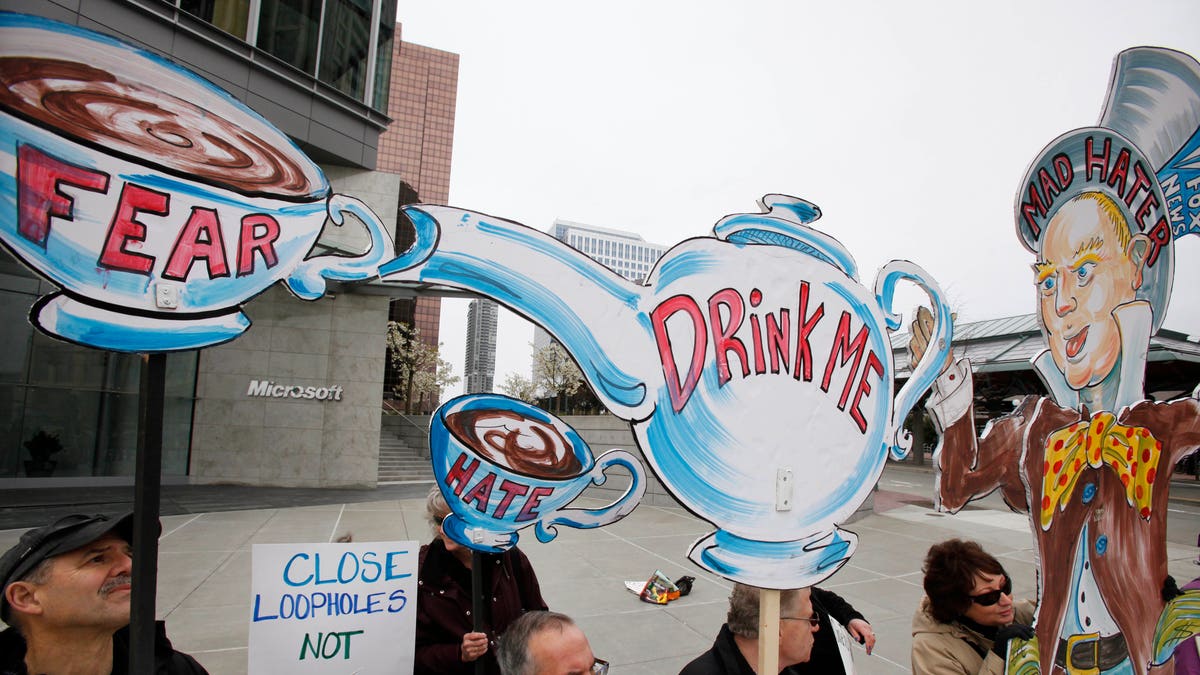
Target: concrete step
[{"x": 403, "y": 450}]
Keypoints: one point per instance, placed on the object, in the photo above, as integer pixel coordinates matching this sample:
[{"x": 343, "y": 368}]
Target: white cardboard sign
[{"x": 333, "y": 608}]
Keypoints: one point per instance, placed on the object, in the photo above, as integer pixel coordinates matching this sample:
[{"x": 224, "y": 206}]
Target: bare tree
[
  {"x": 420, "y": 367},
  {"x": 555, "y": 374}
]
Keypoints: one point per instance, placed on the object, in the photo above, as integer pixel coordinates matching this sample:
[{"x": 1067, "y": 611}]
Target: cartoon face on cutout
[{"x": 1088, "y": 266}]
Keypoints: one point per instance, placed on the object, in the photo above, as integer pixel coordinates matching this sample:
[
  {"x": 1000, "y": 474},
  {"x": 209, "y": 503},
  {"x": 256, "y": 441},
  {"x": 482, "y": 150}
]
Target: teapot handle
[
  {"x": 929, "y": 367},
  {"x": 589, "y": 518}
]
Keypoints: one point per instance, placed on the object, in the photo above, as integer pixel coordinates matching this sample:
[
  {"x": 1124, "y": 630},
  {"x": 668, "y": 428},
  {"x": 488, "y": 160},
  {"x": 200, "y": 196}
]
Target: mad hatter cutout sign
[
  {"x": 156, "y": 201},
  {"x": 735, "y": 347},
  {"x": 1091, "y": 463}
]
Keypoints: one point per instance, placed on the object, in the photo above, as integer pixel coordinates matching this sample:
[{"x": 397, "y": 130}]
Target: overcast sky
[{"x": 910, "y": 124}]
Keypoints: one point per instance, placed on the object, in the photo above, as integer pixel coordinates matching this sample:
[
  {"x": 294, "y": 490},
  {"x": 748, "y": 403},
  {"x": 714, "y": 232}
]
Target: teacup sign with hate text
[
  {"x": 504, "y": 465},
  {"x": 156, "y": 201},
  {"x": 335, "y": 609},
  {"x": 755, "y": 369}
]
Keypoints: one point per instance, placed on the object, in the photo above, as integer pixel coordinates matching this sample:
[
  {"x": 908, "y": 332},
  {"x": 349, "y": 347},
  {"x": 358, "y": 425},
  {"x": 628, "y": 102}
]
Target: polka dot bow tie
[{"x": 1132, "y": 452}]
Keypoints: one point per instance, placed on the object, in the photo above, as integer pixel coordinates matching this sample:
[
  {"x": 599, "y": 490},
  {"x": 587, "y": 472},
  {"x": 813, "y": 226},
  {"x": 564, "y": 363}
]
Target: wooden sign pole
[{"x": 768, "y": 631}]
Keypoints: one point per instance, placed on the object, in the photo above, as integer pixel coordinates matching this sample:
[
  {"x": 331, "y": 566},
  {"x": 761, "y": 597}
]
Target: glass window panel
[
  {"x": 345, "y": 40},
  {"x": 88, "y": 399},
  {"x": 14, "y": 346},
  {"x": 228, "y": 15},
  {"x": 383, "y": 54},
  {"x": 287, "y": 30}
]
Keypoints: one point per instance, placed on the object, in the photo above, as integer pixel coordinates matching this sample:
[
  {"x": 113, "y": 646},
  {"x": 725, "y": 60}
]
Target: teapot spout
[{"x": 588, "y": 308}]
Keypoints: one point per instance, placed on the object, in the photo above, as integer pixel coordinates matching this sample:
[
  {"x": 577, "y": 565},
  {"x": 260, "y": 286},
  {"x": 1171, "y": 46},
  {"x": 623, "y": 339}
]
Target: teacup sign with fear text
[
  {"x": 333, "y": 608},
  {"x": 153, "y": 199}
]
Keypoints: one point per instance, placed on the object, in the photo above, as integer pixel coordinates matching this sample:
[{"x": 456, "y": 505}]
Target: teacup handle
[
  {"x": 308, "y": 279},
  {"x": 589, "y": 518},
  {"x": 930, "y": 366}
]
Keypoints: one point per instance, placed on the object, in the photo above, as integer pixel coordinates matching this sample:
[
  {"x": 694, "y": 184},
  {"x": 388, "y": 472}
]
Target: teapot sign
[{"x": 745, "y": 356}]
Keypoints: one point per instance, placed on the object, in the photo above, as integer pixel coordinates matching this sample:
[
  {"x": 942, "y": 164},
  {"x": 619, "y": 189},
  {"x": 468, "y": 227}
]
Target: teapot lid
[{"x": 784, "y": 223}]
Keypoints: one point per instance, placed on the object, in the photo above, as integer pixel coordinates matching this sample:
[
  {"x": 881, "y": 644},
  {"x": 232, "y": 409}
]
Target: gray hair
[
  {"x": 436, "y": 508},
  {"x": 742, "y": 618},
  {"x": 38, "y": 576},
  {"x": 513, "y": 649}
]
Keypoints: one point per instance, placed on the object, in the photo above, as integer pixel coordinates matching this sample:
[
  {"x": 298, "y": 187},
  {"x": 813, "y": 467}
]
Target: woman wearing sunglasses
[{"x": 968, "y": 615}]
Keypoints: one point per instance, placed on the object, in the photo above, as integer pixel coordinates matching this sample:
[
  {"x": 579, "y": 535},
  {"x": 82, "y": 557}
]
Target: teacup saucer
[
  {"x": 774, "y": 564},
  {"x": 87, "y": 324}
]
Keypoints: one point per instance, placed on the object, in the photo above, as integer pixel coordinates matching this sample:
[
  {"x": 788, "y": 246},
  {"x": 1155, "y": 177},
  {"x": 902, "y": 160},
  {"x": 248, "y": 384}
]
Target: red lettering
[
  {"x": 1150, "y": 202},
  {"x": 804, "y": 326},
  {"x": 1048, "y": 185},
  {"x": 40, "y": 178},
  {"x": 760, "y": 362},
  {"x": 461, "y": 473},
  {"x": 126, "y": 228},
  {"x": 1032, "y": 209},
  {"x": 200, "y": 239},
  {"x": 1092, "y": 161},
  {"x": 481, "y": 493},
  {"x": 510, "y": 490},
  {"x": 1119, "y": 171},
  {"x": 259, "y": 232},
  {"x": 529, "y": 512},
  {"x": 778, "y": 338},
  {"x": 679, "y": 394},
  {"x": 844, "y": 346},
  {"x": 864, "y": 389},
  {"x": 723, "y": 333},
  {"x": 1160, "y": 236},
  {"x": 1063, "y": 170},
  {"x": 1141, "y": 181}
]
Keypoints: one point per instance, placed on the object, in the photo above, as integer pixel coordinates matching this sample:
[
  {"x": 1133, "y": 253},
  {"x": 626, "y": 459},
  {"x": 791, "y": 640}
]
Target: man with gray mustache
[{"x": 66, "y": 599}]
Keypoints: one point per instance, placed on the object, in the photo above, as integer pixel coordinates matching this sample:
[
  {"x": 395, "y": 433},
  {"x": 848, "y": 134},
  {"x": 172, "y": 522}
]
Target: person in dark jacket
[
  {"x": 447, "y": 642},
  {"x": 826, "y": 658},
  {"x": 66, "y": 599},
  {"x": 735, "y": 651}
]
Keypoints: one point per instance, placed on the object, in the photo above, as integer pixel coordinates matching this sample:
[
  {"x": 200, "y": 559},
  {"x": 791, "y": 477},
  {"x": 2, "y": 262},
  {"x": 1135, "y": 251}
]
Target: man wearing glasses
[
  {"x": 547, "y": 643},
  {"x": 735, "y": 651},
  {"x": 66, "y": 599},
  {"x": 968, "y": 615}
]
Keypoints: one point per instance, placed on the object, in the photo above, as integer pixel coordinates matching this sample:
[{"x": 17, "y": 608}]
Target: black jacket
[
  {"x": 167, "y": 661},
  {"x": 725, "y": 659},
  {"x": 444, "y": 603},
  {"x": 826, "y": 659}
]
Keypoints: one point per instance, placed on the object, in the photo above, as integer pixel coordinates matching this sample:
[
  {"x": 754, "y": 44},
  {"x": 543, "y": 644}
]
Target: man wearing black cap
[{"x": 66, "y": 599}]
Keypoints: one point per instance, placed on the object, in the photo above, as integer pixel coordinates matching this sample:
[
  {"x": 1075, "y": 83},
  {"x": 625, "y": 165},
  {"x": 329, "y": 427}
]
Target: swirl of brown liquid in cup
[
  {"x": 93, "y": 105},
  {"x": 511, "y": 440}
]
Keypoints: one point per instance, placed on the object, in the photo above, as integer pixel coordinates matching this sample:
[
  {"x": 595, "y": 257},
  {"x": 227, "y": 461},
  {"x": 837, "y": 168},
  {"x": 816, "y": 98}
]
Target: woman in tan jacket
[{"x": 968, "y": 615}]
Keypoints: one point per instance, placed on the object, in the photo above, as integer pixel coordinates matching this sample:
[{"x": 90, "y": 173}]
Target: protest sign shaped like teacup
[
  {"x": 504, "y": 465},
  {"x": 153, "y": 198}
]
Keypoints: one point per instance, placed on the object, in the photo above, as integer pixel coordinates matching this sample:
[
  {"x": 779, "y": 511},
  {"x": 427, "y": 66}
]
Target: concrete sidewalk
[{"x": 204, "y": 568}]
